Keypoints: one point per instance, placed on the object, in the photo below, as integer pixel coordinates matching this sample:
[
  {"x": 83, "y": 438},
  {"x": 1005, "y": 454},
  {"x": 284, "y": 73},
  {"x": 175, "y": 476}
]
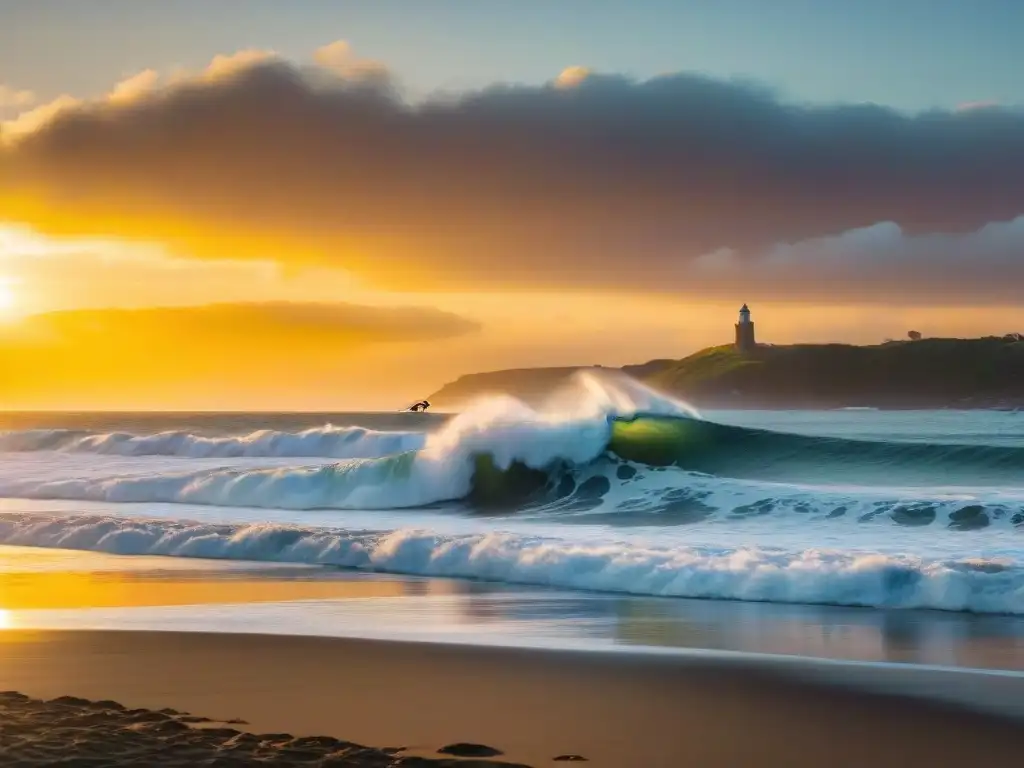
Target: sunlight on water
[{"x": 887, "y": 510}]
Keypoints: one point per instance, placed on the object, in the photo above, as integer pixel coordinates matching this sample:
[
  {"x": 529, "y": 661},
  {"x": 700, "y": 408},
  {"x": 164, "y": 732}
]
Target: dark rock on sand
[
  {"x": 76, "y": 733},
  {"x": 107, "y": 704},
  {"x": 455, "y": 762},
  {"x": 70, "y": 701},
  {"x": 469, "y": 750},
  {"x": 276, "y": 737}
]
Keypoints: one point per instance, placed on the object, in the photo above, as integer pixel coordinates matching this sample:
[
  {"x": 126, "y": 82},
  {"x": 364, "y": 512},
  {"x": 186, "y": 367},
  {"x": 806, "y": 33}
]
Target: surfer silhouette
[{"x": 420, "y": 407}]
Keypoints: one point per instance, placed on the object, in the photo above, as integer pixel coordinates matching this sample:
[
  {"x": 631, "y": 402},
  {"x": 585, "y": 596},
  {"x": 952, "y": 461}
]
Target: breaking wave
[
  {"x": 599, "y": 415},
  {"x": 322, "y": 442},
  {"x": 750, "y": 573},
  {"x": 610, "y": 445},
  {"x": 607, "y": 451},
  {"x": 604, "y": 490}
]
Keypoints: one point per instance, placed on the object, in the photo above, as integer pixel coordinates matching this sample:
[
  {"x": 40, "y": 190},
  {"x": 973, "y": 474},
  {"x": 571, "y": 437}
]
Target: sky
[
  {"x": 913, "y": 54},
  {"x": 199, "y": 201}
]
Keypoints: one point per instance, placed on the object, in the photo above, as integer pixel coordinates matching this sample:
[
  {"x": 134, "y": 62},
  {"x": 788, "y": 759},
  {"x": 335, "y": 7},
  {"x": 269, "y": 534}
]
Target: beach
[
  {"x": 615, "y": 709},
  {"x": 481, "y": 385},
  {"x": 349, "y": 595},
  {"x": 307, "y": 660}
]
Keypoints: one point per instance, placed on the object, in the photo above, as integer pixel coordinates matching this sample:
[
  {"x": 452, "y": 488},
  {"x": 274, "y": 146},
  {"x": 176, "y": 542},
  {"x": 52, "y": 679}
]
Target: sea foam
[
  {"x": 325, "y": 442},
  {"x": 398, "y": 470},
  {"x": 822, "y": 576}
]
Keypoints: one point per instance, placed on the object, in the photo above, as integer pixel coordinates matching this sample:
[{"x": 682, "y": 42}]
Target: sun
[{"x": 8, "y": 297}]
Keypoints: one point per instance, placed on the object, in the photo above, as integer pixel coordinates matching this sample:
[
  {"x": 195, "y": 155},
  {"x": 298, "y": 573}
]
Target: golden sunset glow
[
  {"x": 198, "y": 269},
  {"x": 113, "y": 324},
  {"x": 8, "y": 295}
]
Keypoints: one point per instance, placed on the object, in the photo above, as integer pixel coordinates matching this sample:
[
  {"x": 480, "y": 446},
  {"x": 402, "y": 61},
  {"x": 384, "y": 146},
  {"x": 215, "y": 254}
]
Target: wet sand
[
  {"x": 616, "y": 709},
  {"x": 86, "y": 589}
]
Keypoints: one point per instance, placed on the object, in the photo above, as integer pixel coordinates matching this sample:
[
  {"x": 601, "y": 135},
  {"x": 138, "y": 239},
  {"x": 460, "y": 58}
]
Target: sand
[
  {"x": 69, "y": 731},
  {"x": 615, "y": 709}
]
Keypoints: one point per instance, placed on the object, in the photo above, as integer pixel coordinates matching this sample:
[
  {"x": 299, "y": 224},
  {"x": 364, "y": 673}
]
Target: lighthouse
[{"x": 745, "y": 331}]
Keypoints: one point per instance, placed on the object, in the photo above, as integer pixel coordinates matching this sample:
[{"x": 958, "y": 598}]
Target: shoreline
[
  {"x": 51, "y": 589},
  {"x": 622, "y": 708}
]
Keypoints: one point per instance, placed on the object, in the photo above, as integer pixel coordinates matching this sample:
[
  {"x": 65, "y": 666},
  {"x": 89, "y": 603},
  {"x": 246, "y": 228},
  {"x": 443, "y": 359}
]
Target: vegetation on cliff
[{"x": 930, "y": 373}]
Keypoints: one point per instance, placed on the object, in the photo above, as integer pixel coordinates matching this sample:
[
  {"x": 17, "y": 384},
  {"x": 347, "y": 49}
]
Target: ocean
[{"x": 612, "y": 489}]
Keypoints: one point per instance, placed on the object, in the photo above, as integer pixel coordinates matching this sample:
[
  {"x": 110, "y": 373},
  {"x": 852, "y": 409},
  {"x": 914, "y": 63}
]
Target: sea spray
[{"x": 519, "y": 443}]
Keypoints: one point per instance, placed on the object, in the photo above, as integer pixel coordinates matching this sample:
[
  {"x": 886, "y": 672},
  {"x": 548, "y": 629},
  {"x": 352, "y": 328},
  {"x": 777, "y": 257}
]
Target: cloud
[
  {"x": 35, "y": 119},
  {"x": 134, "y": 87},
  {"x": 967, "y": 106},
  {"x": 609, "y": 183},
  {"x": 250, "y": 324},
  {"x": 880, "y": 263},
  {"x": 226, "y": 65},
  {"x": 219, "y": 355},
  {"x": 570, "y": 77},
  {"x": 17, "y": 98},
  {"x": 339, "y": 58}
]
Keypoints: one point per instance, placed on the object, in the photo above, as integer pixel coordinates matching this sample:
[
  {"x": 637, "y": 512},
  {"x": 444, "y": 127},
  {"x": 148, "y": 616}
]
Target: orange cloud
[
  {"x": 226, "y": 65},
  {"x": 219, "y": 355},
  {"x": 35, "y": 119},
  {"x": 339, "y": 58},
  {"x": 133, "y": 87},
  {"x": 587, "y": 182},
  {"x": 570, "y": 77}
]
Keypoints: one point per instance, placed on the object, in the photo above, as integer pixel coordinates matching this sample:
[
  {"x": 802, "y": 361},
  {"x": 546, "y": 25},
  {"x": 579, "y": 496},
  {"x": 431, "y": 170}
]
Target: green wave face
[
  {"x": 657, "y": 441},
  {"x": 738, "y": 452},
  {"x": 661, "y": 441},
  {"x": 500, "y": 490}
]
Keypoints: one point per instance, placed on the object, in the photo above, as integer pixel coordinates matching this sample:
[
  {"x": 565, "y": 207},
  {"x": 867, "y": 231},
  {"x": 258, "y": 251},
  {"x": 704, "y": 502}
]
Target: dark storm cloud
[{"x": 591, "y": 181}]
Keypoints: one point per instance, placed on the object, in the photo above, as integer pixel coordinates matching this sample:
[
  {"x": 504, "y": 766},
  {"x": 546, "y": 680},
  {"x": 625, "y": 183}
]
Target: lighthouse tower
[{"x": 745, "y": 332}]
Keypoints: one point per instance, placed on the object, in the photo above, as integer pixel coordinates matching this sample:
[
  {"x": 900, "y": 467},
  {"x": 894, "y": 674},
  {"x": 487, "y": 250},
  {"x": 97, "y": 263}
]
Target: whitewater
[{"x": 609, "y": 486}]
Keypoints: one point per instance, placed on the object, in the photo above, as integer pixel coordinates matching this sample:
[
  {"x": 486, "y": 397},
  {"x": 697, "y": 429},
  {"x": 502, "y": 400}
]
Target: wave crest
[
  {"x": 736, "y": 573},
  {"x": 599, "y": 443},
  {"x": 323, "y": 442}
]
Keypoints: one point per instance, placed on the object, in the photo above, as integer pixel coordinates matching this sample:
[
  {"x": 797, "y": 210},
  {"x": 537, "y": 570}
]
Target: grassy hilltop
[{"x": 930, "y": 373}]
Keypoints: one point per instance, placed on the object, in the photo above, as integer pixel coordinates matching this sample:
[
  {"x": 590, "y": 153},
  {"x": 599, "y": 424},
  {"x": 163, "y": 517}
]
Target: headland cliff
[{"x": 928, "y": 373}]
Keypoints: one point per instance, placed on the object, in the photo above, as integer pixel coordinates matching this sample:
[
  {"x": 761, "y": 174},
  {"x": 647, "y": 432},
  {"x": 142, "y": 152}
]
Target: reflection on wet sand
[
  {"x": 922, "y": 637},
  {"x": 39, "y": 591},
  {"x": 904, "y": 636},
  {"x": 34, "y": 579}
]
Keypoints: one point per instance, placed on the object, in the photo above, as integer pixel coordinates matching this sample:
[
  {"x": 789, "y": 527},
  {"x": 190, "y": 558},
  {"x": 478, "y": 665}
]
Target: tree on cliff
[{"x": 914, "y": 335}]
